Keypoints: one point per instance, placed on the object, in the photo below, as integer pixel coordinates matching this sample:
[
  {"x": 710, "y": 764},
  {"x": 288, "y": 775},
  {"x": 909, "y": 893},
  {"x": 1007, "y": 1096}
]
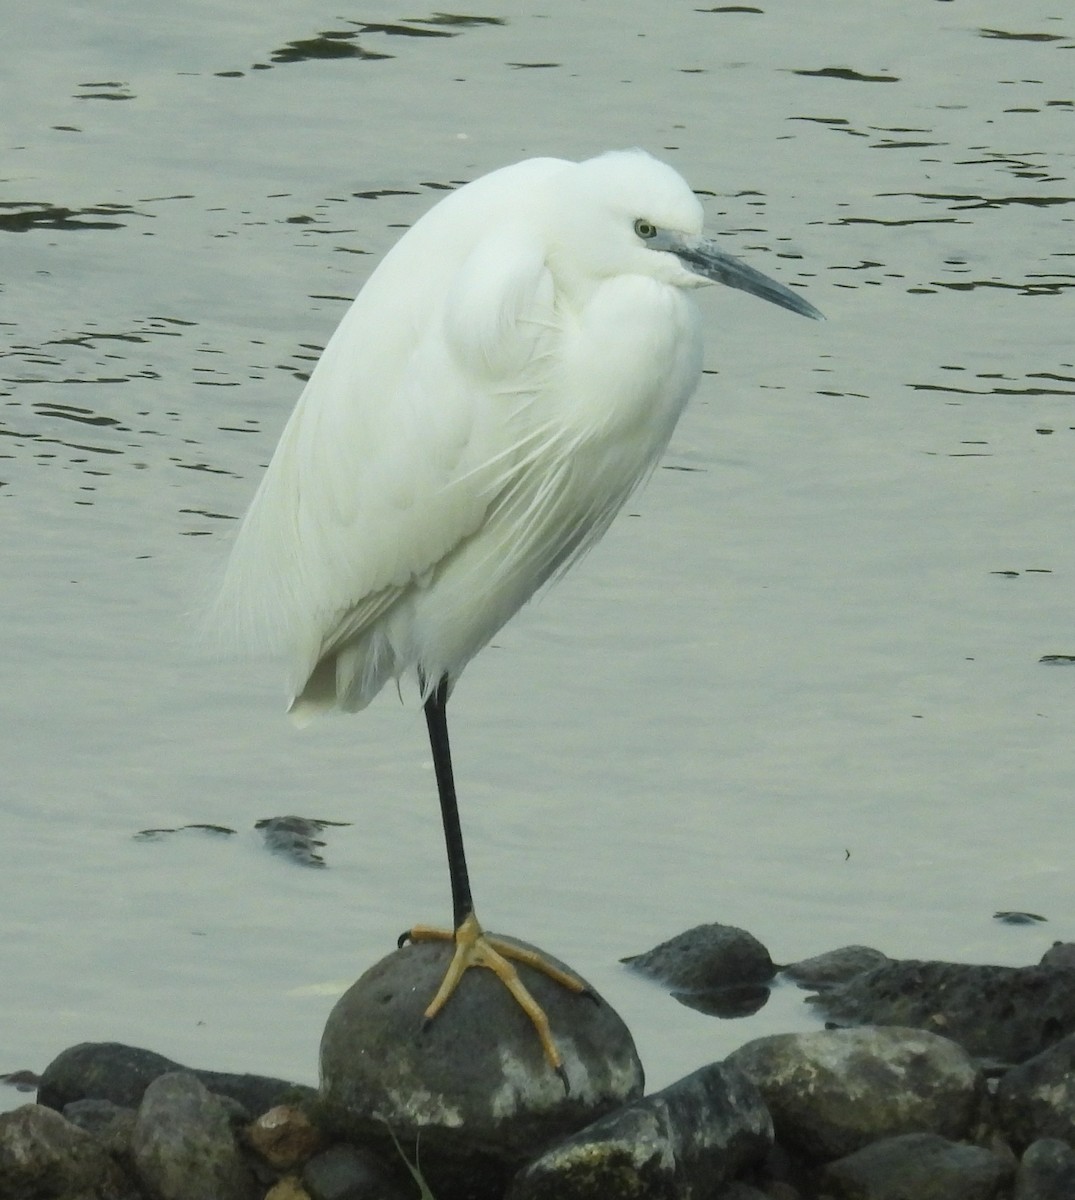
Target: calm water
[{"x": 798, "y": 688}]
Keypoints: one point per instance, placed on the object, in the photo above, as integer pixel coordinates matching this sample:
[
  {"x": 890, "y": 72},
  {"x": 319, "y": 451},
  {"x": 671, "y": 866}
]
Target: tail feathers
[
  {"x": 318, "y": 693},
  {"x": 348, "y": 679}
]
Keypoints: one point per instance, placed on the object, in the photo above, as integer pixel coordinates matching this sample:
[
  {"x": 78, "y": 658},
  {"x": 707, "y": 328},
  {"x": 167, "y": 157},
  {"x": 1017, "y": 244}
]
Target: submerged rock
[
  {"x": 473, "y": 1085},
  {"x": 1004, "y": 1013},
  {"x": 835, "y": 966},
  {"x": 121, "y": 1074},
  {"x": 684, "y": 1141},
  {"x": 834, "y": 1091},
  {"x": 706, "y": 958}
]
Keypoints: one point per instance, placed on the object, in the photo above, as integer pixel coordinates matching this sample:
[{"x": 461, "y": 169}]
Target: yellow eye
[{"x": 645, "y": 230}]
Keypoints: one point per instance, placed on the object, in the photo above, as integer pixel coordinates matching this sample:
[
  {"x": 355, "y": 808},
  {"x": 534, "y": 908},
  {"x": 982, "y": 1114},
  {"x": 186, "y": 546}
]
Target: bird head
[{"x": 626, "y": 212}]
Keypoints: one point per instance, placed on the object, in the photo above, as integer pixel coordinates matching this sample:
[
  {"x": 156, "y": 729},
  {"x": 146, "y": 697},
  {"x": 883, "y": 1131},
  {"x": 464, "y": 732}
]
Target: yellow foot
[{"x": 474, "y": 948}]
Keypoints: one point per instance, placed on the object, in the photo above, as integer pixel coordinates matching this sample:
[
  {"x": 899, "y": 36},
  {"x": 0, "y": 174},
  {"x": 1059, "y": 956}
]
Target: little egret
[{"x": 509, "y": 374}]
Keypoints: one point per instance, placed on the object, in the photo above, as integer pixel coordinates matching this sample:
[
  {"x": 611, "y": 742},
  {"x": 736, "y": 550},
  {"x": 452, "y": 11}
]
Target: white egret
[{"x": 506, "y": 378}]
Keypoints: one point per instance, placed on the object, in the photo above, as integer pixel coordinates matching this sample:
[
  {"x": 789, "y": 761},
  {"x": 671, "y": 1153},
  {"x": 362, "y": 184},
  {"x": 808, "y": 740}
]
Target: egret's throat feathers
[{"x": 507, "y": 376}]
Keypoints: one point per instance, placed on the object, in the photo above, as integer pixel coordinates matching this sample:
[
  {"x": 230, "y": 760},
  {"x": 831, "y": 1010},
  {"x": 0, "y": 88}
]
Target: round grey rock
[
  {"x": 834, "y": 1091},
  {"x": 472, "y": 1085},
  {"x": 182, "y": 1144},
  {"x": 706, "y": 958}
]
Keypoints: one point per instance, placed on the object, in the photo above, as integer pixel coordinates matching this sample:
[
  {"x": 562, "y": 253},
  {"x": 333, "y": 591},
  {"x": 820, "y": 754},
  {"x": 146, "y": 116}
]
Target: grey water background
[{"x": 798, "y": 688}]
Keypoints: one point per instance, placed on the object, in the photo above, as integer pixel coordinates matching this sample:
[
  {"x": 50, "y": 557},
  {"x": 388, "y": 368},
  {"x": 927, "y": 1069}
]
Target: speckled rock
[
  {"x": 121, "y": 1074},
  {"x": 182, "y": 1144},
  {"x": 1004, "y": 1013},
  {"x": 684, "y": 1141},
  {"x": 919, "y": 1165},
  {"x": 109, "y": 1124},
  {"x": 43, "y": 1155},
  {"x": 1037, "y": 1099},
  {"x": 834, "y": 1091},
  {"x": 284, "y": 1137},
  {"x": 473, "y": 1084}
]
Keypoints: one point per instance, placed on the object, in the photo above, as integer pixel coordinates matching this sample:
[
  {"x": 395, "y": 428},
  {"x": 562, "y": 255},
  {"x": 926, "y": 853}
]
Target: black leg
[{"x": 437, "y": 721}]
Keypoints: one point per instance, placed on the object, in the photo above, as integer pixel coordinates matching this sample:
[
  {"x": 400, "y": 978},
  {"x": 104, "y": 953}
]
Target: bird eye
[{"x": 645, "y": 230}]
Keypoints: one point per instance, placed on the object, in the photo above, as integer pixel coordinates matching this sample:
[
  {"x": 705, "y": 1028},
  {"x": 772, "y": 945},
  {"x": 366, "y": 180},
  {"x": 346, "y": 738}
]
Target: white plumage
[{"x": 508, "y": 375}]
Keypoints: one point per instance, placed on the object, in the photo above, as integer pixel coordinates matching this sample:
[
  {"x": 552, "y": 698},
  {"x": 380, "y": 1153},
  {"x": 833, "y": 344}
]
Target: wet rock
[
  {"x": 835, "y": 966},
  {"x": 921, "y": 1166},
  {"x": 684, "y": 1141},
  {"x": 706, "y": 958},
  {"x": 473, "y": 1083},
  {"x": 112, "y": 1071},
  {"x": 833, "y": 1092},
  {"x": 1037, "y": 1099},
  {"x": 1004, "y": 1013},
  {"x": 1047, "y": 1171},
  {"x": 182, "y": 1145},
  {"x": 284, "y": 1137},
  {"x": 347, "y": 1173},
  {"x": 44, "y": 1155}
]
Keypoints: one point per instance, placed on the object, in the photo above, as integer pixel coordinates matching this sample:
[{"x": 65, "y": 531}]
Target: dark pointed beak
[{"x": 705, "y": 258}]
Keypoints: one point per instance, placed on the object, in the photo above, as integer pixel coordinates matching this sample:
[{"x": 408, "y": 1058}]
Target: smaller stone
[
  {"x": 834, "y": 966},
  {"x": 683, "y": 1141},
  {"x": 346, "y": 1173},
  {"x": 108, "y": 1124},
  {"x": 1037, "y": 1098},
  {"x": 44, "y": 1155},
  {"x": 706, "y": 958},
  {"x": 921, "y": 1165},
  {"x": 182, "y": 1144},
  {"x": 1047, "y": 1171},
  {"x": 1059, "y": 954},
  {"x": 284, "y": 1137},
  {"x": 288, "y": 1188},
  {"x": 832, "y": 1092}
]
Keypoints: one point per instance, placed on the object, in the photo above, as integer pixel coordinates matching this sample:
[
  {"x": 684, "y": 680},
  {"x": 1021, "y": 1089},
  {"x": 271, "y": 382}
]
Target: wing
[{"x": 393, "y": 454}]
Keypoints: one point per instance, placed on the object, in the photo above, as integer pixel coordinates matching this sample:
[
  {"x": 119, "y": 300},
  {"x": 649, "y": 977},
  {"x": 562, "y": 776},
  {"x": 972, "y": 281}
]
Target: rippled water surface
[{"x": 815, "y": 682}]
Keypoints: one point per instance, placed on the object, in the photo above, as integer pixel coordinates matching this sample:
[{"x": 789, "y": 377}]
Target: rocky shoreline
[{"x": 945, "y": 1082}]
